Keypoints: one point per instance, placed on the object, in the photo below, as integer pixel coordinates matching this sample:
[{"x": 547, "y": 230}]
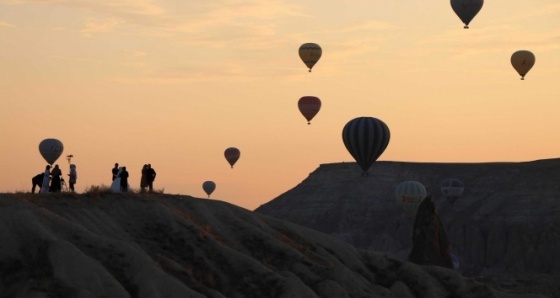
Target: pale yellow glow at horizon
[{"x": 174, "y": 84}]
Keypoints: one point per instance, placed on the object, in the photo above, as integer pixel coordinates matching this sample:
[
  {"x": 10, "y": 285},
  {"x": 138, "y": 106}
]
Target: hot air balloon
[
  {"x": 522, "y": 61},
  {"x": 409, "y": 195},
  {"x": 365, "y": 138},
  {"x": 51, "y": 149},
  {"x": 310, "y": 53},
  {"x": 209, "y": 187},
  {"x": 232, "y": 155},
  {"x": 309, "y": 106},
  {"x": 452, "y": 189},
  {"x": 466, "y": 10}
]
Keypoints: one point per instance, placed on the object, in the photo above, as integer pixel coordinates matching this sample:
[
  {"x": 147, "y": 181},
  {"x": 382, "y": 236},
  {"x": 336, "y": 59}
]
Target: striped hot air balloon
[
  {"x": 310, "y": 53},
  {"x": 409, "y": 195},
  {"x": 365, "y": 138},
  {"x": 452, "y": 189},
  {"x": 232, "y": 155},
  {"x": 309, "y": 106}
]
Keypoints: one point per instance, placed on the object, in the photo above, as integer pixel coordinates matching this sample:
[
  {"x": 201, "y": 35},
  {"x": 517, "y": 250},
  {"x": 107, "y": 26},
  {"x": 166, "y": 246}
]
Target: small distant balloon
[
  {"x": 208, "y": 187},
  {"x": 409, "y": 195},
  {"x": 232, "y": 155},
  {"x": 310, "y": 53},
  {"x": 452, "y": 189},
  {"x": 522, "y": 61},
  {"x": 309, "y": 106},
  {"x": 365, "y": 138},
  {"x": 51, "y": 149},
  {"x": 466, "y": 10}
]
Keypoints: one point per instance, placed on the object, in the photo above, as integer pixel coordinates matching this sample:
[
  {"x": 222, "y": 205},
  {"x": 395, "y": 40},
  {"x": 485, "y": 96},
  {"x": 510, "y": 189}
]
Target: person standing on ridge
[
  {"x": 151, "y": 176},
  {"x": 46, "y": 180},
  {"x": 124, "y": 179},
  {"x": 56, "y": 183},
  {"x": 73, "y": 176},
  {"x": 144, "y": 178},
  {"x": 115, "y": 171}
]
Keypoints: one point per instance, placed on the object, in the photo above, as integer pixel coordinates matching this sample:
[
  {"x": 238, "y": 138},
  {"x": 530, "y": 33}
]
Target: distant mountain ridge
[
  {"x": 506, "y": 221},
  {"x": 142, "y": 245}
]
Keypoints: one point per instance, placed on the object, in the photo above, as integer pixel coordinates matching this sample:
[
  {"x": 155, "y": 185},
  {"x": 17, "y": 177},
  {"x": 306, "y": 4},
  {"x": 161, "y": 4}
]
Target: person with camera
[{"x": 73, "y": 176}]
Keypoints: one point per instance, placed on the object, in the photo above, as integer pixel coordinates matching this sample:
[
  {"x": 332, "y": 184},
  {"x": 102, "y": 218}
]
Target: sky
[{"x": 174, "y": 83}]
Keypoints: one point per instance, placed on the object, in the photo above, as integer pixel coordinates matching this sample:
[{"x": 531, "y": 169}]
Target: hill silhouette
[{"x": 140, "y": 245}]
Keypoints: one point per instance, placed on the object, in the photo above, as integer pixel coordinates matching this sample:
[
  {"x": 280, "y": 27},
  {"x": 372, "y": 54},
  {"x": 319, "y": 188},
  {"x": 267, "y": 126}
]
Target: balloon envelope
[
  {"x": 409, "y": 195},
  {"x": 452, "y": 189},
  {"x": 365, "y": 138},
  {"x": 309, "y": 106},
  {"x": 522, "y": 61},
  {"x": 51, "y": 149},
  {"x": 232, "y": 155},
  {"x": 310, "y": 53},
  {"x": 209, "y": 187},
  {"x": 466, "y": 10}
]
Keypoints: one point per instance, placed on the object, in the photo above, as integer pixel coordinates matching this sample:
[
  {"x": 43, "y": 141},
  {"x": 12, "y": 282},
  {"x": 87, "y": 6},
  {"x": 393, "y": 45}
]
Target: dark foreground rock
[{"x": 175, "y": 246}]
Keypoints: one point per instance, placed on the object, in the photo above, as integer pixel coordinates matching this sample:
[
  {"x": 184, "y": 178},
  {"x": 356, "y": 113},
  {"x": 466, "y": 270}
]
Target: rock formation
[
  {"x": 429, "y": 241},
  {"x": 125, "y": 245},
  {"x": 506, "y": 221}
]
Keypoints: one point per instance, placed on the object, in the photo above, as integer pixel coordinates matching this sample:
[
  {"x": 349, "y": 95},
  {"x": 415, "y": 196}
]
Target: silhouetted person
[
  {"x": 115, "y": 171},
  {"x": 73, "y": 176},
  {"x": 37, "y": 181},
  {"x": 151, "y": 176},
  {"x": 55, "y": 182},
  {"x": 46, "y": 180},
  {"x": 124, "y": 179},
  {"x": 144, "y": 178}
]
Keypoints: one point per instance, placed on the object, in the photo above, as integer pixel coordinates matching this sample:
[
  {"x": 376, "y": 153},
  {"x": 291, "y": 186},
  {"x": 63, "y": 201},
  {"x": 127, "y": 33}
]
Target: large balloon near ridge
[
  {"x": 51, "y": 149},
  {"x": 452, "y": 189},
  {"x": 232, "y": 155},
  {"x": 522, "y": 61},
  {"x": 310, "y": 53},
  {"x": 309, "y": 106},
  {"x": 466, "y": 10},
  {"x": 208, "y": 187},
  {"x": 409, "y": 195},
  {"x": 365, "y": 138}
]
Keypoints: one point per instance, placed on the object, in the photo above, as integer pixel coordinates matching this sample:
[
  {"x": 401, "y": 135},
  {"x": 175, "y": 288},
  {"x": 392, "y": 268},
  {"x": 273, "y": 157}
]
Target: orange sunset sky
[{"x": 174, "y": 83}]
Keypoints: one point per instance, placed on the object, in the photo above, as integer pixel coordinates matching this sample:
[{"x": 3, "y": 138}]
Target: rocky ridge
[{"x": 126, "y": 245}]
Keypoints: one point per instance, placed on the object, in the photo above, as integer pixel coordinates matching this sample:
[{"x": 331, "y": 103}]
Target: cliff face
[
  {"x": 125, "y": 245},
  {"x": 506, "y": 221}
]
